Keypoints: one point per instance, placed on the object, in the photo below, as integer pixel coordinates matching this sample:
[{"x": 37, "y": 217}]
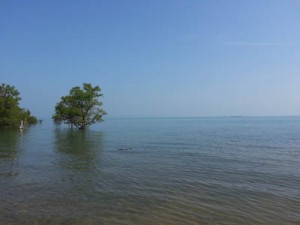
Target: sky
[{"x": 155, "y": 58}]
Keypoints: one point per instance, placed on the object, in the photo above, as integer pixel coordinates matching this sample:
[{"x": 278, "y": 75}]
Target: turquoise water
[{"x": 153, "y": 171}]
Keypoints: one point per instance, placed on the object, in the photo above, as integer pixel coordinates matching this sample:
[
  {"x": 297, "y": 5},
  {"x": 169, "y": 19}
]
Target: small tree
[
  {"x": 10, "y": 112},
  {"x": 81, "y": 107}
]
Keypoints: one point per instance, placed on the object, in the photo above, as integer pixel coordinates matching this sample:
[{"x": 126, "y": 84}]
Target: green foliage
[
  {"x": 10, "y": 112},
  {"x": 81, "y": 107}
]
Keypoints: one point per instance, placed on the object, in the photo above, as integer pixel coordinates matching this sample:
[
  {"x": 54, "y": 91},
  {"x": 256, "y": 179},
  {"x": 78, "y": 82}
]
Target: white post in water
[{"x": 22, "y": 124}]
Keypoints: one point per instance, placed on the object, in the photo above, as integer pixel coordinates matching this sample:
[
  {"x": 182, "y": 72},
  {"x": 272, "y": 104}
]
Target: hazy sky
[{"x": 155, "y": 58}]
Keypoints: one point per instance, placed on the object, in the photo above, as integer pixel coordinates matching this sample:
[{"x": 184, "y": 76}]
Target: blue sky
[{"x": 155, "y": 58}]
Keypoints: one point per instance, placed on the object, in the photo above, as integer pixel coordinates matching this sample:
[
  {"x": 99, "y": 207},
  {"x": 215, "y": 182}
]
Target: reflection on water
[
  {"x": 9, "y": 151},
  {"x": 174, "y": 171},
  {"x": 9, "y": 143},
  {"x": 78, "y": 149}
]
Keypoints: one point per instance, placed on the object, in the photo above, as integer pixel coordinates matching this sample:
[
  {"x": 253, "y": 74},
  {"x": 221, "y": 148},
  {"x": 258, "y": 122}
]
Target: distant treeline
[{"x": 80, "y": 108}]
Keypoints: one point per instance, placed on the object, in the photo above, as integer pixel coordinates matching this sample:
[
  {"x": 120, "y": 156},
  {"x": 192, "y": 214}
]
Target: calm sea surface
[{"x": 153, "y": 171}]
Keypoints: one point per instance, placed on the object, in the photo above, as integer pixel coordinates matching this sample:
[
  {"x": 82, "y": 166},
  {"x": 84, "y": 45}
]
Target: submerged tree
[
  {"x": 10, "y": 112},
  {"x": 81, "y": 107}
]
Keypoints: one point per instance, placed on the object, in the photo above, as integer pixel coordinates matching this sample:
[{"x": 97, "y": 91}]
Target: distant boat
[{"x": 22, "y": 124}]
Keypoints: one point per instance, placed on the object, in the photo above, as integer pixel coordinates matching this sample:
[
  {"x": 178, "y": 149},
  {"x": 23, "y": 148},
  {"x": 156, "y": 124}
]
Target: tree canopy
[
  {"x": 81, "y": 107},
  {"x": 10, "y": 112}
]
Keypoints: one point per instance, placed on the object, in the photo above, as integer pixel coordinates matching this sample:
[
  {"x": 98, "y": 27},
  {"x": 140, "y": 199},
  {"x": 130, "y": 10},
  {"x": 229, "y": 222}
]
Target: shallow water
[{"x": 153, "y": 171}]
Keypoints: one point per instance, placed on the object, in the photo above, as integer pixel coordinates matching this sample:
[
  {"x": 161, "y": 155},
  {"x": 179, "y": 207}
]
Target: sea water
[{"x": 153, "y": 171}]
